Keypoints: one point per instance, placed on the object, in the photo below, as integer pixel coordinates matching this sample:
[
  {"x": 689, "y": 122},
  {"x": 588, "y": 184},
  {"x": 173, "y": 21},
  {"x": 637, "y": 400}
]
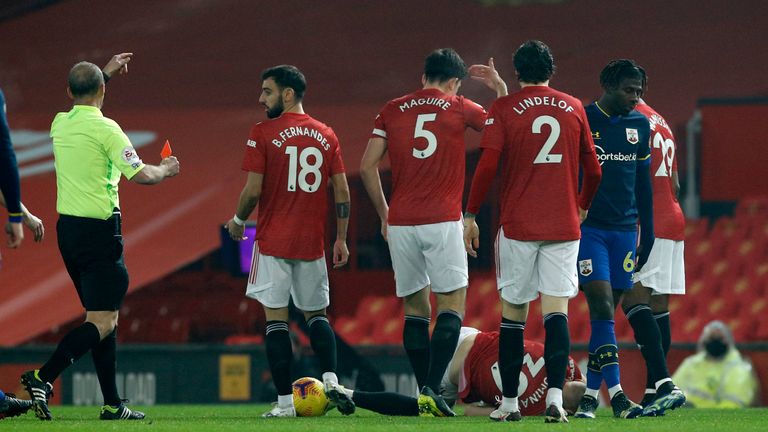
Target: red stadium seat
[{"x": 696, "y": 229}]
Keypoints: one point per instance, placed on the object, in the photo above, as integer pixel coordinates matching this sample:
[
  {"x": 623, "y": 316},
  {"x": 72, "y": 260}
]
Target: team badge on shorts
[
  {"x": 632, "y": 136},
  {"x": 585, "y": 267}
]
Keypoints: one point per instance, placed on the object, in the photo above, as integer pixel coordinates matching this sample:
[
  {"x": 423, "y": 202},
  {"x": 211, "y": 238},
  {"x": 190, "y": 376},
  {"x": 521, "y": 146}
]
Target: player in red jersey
[
  {"x": 473, "y": 377},
  {"x": 664, "y": 272},
  {"x": 423, "y": 132},
  {"x": 543, "y": 136},
  {"x": 290, "y": 160}
]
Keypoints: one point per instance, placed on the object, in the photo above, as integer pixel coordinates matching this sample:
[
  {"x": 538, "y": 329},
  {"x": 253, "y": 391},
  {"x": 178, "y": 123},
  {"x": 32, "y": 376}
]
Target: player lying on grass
[{"x": 473, "y": 377}]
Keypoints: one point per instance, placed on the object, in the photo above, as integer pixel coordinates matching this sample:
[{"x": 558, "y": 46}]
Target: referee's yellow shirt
[{"x": 90, "y": 152}]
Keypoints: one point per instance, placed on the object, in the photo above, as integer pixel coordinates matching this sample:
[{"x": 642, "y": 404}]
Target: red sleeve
[
  {"x": 483, "y": 178},
  {"x": 379, "y": 128},
  {"x": 494, "y": 133},
  {"x": 337, "y": 163},
  {"x": 255, "y": 158},
  {"x": 590, "y": 167},
  {"x": 474, "y": 115}
]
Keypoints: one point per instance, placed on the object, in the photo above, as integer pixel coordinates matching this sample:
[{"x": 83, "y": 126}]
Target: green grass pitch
[{"x": 240, "y": 418}]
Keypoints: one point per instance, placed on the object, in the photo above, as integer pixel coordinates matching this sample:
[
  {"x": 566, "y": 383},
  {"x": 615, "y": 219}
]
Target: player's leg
[
  {"x": 621, "y": 251},
  {"x": 310, "y": 292},
  {"x": 594, "y": 277},
  {"x": 660, "y": 308},
  {"x": 664, "y": 279},
  {"x": 446, "y": 267},
  {"x": 558, "y": 283},
  {"x": 80, "y": 243},
  {"x": 412, "y": 285},
  {"x": 385, "y": 403},
  {"x": 517, "y": 279},
  {"x": 270, "y": 283},
  {"x": 108, "y": 283}
]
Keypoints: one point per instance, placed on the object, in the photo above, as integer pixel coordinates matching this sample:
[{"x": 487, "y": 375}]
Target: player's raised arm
[
  {"x": 249, "y": 198},
  {"x": 341, "y": 198},
  {"x": 369, "y": 172},
  {"x": 489, "y": 76}
]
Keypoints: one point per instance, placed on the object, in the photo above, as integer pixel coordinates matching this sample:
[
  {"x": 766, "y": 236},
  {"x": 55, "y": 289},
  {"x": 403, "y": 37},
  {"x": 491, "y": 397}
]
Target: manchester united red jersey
[
  {"x": 668, "y": 219},
  {"x": 425, "y": 141},
  {"x": 297, "y": 155},
  {"x": 542, "y": 135},
  {"x": 481, "y": 370}
]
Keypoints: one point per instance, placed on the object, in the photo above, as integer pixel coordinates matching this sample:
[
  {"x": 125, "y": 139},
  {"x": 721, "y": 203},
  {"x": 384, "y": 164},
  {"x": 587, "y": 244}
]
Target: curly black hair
[{"x": 617, "y": 70}]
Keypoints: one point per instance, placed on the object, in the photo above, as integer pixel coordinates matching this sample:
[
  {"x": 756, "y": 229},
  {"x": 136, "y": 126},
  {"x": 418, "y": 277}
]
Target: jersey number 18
[{"x": 297, "y": 158}]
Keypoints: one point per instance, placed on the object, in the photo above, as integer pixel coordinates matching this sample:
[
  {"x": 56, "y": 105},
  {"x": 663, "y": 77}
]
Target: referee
[{"x": 91, "y": 153}]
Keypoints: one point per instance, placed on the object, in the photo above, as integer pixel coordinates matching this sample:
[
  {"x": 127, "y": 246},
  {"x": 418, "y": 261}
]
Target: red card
[{"x": 166, "y": 150}]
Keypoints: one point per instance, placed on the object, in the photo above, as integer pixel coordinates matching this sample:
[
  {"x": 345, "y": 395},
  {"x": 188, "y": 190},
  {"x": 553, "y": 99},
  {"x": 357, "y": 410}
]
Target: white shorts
[
  {"x": 526, "y": 268},
  {"x": 273, "y": 281},
  {"x": 449, "y": 390},
  {"x": 664, "y": 272},
  {"x": 431, "y": 254}
]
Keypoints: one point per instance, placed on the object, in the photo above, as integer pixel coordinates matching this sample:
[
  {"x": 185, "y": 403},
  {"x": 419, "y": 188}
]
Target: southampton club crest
[
  {"x": 632, "y": 136},
  {"x": 585, "y": 267}
]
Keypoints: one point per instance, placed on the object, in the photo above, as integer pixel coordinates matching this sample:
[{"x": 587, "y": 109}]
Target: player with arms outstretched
[
  {"x": 423, "y": 132},
  {"x": 543, "y": 136},
  {"x": 290, "y": 159}
]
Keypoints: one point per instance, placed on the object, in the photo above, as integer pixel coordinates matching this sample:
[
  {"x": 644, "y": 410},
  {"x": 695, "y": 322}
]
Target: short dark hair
[
  {"x": 617, "y": 70},
  {"x": 85, "y": 79},
  {"x": 534, "y": 62},
  {"x": 443, "y": 64},
  {"x": 287, "y": 76}
]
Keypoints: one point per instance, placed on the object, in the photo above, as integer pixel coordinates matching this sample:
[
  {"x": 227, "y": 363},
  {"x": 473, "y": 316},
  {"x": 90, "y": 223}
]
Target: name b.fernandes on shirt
[{"x": 299, "y": 131}]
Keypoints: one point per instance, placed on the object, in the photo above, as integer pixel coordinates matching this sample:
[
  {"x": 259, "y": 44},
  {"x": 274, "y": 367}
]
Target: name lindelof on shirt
[
  {"x": 541, "y": 100},
  {"x": 440, "y": 103},
  {"x": 298, "y": 131}
]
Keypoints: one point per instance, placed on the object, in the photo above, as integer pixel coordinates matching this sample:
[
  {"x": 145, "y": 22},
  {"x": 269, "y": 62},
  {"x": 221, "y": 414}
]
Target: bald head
[
  {"x": 85, "y": 79},
  {"x": 572, "y": 393}
]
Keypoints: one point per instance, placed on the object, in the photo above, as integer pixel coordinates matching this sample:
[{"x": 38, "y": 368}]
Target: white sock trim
[
  {"x": 285, "y": 401},
  {"x": 555, "y": 397},
  {"x": 330, "y": 377},
  {"x": 613, "y": 390},
  {"x": 509, "y": 404}
]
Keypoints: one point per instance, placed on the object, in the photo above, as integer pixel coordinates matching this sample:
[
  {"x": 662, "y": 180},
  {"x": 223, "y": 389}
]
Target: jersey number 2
[
  {"x": 295, "y": 159},
  {"x": 545, "y": 156}
]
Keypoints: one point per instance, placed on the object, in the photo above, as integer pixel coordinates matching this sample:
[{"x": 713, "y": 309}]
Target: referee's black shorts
[{"x": 92, "y": 250}]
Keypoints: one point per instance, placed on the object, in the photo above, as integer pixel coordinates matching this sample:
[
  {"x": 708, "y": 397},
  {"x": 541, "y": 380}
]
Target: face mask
[{"x": 716, "y": 348}]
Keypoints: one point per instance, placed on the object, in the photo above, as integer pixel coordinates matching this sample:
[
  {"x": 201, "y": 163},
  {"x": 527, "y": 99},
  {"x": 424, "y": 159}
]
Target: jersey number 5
[
  {"x": 296, "y": 158},
  {"x": 420, "y": 132},
  {"x": 667, "y": 147},
  {"x": 545, "y": 156}
]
